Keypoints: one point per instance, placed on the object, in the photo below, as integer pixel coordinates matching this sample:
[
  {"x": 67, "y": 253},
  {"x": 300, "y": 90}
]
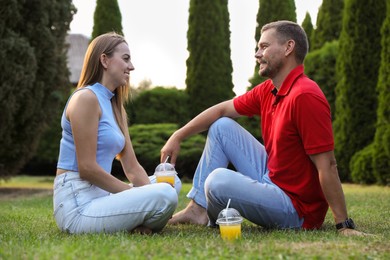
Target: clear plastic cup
[
  {"x": 165, "y": 172},
  {"x": 229, "y": 221}
]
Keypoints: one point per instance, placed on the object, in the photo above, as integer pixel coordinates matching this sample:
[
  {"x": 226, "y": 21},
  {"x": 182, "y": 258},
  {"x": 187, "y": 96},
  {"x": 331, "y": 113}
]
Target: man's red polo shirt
[{"x": 295, "y": 123}]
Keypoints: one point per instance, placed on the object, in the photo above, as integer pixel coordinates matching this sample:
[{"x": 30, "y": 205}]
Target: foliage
[
  {"x": 380, "y": 148},
  {"x": 252, "y": 125},
  {"x": 209, "y": 66},
  {"x": 357, "y": 72},
  {"x": 307, "y": 25},
  {"x": 329, "y": 23},
  {"x": 320, "y": 65},
  {"x": 149, "y": 139},
  {"x": 28, "y": 231},
  {"x": 361, "y": 166},
  {"x": 382, "y": 134},
  {"x": 159, "y": 105},
  {"x": 107, "y": 18},
  {"x": 270, "y": 11},
  {"x": 34, "y": 78}
]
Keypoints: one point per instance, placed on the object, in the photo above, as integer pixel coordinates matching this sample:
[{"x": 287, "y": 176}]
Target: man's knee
[
  {"x": 221, "y": 123},
  {"x": 217, "y": 180}
]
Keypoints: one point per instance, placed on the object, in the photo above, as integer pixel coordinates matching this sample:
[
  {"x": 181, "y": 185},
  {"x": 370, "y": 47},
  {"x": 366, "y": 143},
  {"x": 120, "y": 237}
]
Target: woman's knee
[{"x": 166, "y": 194}]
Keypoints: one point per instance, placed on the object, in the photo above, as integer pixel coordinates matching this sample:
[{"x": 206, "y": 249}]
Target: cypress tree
[
  {"x": 329, "y": 22},
  {"x": 270, "y": 11},
  {"x": 308, "y": 27},
  {"x": 34, "y": 78},
  {"x": 372, "y": 164},
  {"x": 209, "y": 66},
  {"x": 381, "y": 162},
  {"x": 107, "y": 18},
  {"x": 357, "y": 71}
]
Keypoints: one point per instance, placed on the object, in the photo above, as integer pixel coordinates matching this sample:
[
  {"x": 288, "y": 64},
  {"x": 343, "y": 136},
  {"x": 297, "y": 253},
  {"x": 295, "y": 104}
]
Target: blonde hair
[{"x": 92, "y": 72}]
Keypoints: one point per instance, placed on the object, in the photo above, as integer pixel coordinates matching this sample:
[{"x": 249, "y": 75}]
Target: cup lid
[
  {"x": 162, "y": 167},
  {"x": 229, "y": 216}
]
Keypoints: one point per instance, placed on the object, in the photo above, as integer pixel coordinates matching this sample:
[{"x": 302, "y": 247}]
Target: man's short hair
[{"x": 287, "y": 30}]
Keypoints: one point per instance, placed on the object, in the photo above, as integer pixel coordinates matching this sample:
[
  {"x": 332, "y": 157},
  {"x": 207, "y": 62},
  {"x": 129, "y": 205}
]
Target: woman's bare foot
[
  {"x": 142, "y": 230},
  {"x": 192, "y": 214}
]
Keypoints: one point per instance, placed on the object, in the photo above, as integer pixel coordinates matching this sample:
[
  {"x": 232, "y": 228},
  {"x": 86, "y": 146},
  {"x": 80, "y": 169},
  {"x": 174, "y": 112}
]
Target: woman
[{"x": 87, "y": 198}]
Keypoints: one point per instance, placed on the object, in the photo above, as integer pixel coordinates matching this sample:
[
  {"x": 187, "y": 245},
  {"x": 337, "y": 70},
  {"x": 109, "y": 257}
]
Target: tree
[
  {"x": 381, "y": 162},
  {"x": 357, "y": 72},
  {"x": 209, "y": 66},
  {"x": 308, "y": 27},
  {"x": 270, "y": 11},
  {"x": 372, "y": 164},
  {"x": 107, "y": 18},
  {"x": 329, "y": 23},
  {"x": 34, "y": 78}
]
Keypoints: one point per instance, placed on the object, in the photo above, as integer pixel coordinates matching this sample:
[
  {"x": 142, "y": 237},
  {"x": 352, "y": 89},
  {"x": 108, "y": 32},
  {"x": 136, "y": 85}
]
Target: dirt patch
[{"x": 14, "y": 193}]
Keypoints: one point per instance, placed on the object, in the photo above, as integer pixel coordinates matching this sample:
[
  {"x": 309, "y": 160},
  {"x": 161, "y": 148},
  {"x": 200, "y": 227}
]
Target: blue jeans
[
  {"x": 250, "y": 189},
  {"x": 80, "y": 207}
]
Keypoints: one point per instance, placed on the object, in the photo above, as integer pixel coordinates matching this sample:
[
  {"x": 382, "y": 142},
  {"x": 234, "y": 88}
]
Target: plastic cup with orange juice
[
  {"x": 165, "y": 172},
  {"x": 229, "y": 221}
]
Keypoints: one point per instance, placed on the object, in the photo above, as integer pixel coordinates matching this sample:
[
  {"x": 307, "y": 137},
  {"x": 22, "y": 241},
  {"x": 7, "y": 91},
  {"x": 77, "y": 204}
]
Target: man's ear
[
  {"x": 104, "y": 60},
  {"x": 290, "y": 46}
]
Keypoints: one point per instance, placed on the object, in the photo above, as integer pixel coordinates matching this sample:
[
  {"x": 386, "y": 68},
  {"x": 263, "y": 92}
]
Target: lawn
[{"x": 28, "y": 231}]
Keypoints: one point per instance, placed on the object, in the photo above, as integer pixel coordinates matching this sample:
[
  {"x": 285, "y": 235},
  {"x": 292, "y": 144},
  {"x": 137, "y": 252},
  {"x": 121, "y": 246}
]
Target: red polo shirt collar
[{"x": 289, "y": 81}]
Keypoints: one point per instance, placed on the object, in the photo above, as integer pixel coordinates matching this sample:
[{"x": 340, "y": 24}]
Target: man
[{"x": 290, "y": 181}]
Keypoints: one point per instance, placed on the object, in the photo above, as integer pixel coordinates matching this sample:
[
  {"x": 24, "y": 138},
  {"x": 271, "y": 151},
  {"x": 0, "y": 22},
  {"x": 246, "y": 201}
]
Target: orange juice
[
  {"x": 166, "y": 178},
  {"x": 230, "y": 232}
]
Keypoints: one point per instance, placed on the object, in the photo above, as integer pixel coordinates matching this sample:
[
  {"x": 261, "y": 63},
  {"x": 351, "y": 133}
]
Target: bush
[
  {"x": 159, "y": 105},
  {"x": 149, "y": 139},
  {"x": 361, "y": 166},
  {"x": 252, "y": 125},
  {"x": 34, "y": 75}
]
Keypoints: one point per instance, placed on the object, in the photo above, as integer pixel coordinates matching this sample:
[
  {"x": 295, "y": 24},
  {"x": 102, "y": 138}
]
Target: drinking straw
[
  {"x": 166, "y": 160},
  {"x": 227, "y": 209}
]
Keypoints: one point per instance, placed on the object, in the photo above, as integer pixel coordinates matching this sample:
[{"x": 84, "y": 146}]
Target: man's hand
[
  {"x": 171, "y": 149},
  {"x": 352, "y": 232}
]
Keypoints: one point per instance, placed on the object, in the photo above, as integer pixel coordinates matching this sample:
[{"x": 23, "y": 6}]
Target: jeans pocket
[{"x": 84, "y": 192}]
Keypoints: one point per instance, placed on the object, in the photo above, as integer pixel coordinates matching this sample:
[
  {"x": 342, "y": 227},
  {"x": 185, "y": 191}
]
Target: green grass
[{"x": 28, "y": 231}]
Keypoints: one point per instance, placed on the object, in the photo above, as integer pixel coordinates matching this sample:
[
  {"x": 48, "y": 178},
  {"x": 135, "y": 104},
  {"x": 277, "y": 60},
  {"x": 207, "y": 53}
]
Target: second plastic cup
[{"x": 229, "y": 221}]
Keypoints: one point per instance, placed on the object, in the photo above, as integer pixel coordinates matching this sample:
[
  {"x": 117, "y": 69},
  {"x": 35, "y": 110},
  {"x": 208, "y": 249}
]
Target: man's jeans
[{"x": 250, "y": 189}]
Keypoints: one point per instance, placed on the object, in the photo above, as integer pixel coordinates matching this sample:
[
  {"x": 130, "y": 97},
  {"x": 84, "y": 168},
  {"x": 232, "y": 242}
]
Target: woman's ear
[
  {"x": 289, "y": 47},
  {"x": 104, "y": 60}
]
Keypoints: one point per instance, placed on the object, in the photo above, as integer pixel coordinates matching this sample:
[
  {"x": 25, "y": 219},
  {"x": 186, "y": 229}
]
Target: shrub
[
  {"x": 34, "y": 76},
  {"x": 159, "y": 105},
  {"x": 361, "y": 166},
  {"x": 149, "y": 139}
]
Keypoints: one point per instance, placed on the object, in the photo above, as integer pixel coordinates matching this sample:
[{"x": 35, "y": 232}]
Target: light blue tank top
[{"x": 110, "y": 140}]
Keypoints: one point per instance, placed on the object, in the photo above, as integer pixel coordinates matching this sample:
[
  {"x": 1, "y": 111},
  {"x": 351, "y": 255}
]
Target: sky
[{"x": 156, "y": 32}]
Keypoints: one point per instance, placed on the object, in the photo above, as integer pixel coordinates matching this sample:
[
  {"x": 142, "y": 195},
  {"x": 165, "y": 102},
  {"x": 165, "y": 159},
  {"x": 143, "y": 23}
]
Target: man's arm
[
  {"x": 332, "y": 189},
  {"x": 198, "y": 124}
]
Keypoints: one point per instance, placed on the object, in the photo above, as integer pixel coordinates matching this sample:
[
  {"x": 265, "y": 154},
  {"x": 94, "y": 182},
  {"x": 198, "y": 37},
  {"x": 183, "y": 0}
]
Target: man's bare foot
[
  {"x": 192, "y": 214},
  {"x": 142, "y": 230}
]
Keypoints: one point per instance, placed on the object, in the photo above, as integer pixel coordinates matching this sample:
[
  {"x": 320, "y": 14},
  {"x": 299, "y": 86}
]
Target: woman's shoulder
[
  {"x": 83, "y": 99},
  {"x": 84, "y": 95}
]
